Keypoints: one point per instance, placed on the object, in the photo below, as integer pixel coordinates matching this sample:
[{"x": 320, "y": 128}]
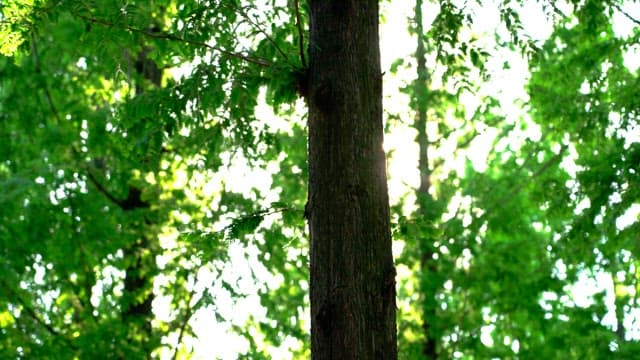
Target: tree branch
[
  {"x": 76, "y": 153},
  {"x": 172, "y": 37},
  {"x": 33, "y": 315},
  {"x": 101, "y": 189},
  {"x": 502, "y": 201},
  {"x": 56, "y": 114},
  {"x": 187, "y": 317},
  {"x": 626, "y": 14},
  {"x": 38, "y": 70},
  {"x": 259, "y": 28}
]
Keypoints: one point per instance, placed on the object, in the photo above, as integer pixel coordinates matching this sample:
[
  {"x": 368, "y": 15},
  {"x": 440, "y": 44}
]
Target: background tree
[
  {"x": 495, "y": 282},
  {"x": 108, "y": 157}
]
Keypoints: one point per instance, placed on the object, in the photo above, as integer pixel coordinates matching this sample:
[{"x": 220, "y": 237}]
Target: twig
[
  {"x": 619, "y": 8},
  {"x": 56, "y": 114},
  {"x": 171, "y": 37},
  {"x": 235, "y": 221},
  {"x": 187, "y": 317},
  {"x": 32, "y": 313},
  {"x": 502, "y": 201},
  {"x": 101, "y": 189},
  {"x": 259, "y": 28},
  {"x": 300, "y": 33},
  {"x": 38, "y": 70},
  {"x": 557, "y": 9}
]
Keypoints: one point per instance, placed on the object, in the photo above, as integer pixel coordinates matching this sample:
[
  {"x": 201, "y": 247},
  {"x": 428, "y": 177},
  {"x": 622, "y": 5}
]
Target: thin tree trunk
[
  {"x": 137, "y": 311},
  {"x": 353, "y": 305},
  {"x": 427, "y": 265},
  {"x": 619, "y": 303}
]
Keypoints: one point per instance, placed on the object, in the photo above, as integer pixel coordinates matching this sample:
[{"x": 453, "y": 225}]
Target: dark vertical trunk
[
  {"x": 353, "y": 305},
  {"x": 138, "y": 285},
  {"x": 137, "y": 311},
  {"x": 427, "y": 265},
  {"x": 420, "y": 101},
  {"x": 619, "y": 303}
]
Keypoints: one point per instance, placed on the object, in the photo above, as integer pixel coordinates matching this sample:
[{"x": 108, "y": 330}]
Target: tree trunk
[
  {"x": 137, "y": 310},
  {"x": 427, "y": 264},
  {"x": 353, "y": 305}
]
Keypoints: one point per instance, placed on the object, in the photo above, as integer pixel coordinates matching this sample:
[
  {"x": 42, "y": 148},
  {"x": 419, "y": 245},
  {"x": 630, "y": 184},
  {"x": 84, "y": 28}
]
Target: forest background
[{"x": 153, "y": 167}]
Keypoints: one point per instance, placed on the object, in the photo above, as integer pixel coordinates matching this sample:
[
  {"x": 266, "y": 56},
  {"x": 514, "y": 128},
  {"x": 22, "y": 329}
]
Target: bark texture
[{"x": 353, "y": 305}]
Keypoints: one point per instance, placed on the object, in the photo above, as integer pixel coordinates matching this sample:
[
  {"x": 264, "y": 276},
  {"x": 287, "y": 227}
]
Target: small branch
[
  {"x": 101, "y": 189},
  {"x": 628, "y": 16},
  {"x": 38, "y": 70},
  {"x": 300, "y": 33},
  {"x": 171, "y": 37},
  {"x": 502, "y": 201},
  {"x": 266, "y": 212},
  {"x": 259, "y": 28},
  {"x": 557, "y": 9},
  {"x": 258, "y": 214},
  {"x": 187, "y": 317},
  {"x": 556, "y": 158},
  {"x": 33, "y": 315},
  {"x": 56, "y": 114}
]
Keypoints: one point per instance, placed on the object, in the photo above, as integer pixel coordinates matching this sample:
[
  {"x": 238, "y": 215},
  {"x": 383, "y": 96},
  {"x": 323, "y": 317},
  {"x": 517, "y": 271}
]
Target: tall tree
[
  {"x": 425, "y": 201},
  {"x": 113, "y": 145},
  {"x": 352, "y": 271}
]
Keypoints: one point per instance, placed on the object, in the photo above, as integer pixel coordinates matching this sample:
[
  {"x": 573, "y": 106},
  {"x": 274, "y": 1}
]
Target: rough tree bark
[{"x": 353, "y": 305}]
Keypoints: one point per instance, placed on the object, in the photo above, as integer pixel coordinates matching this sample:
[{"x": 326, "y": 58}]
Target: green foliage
[
  {"x": 132, "y": 133},
  {"x": 544, "y": 214},
  {"x": 106, "y": 153}
]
